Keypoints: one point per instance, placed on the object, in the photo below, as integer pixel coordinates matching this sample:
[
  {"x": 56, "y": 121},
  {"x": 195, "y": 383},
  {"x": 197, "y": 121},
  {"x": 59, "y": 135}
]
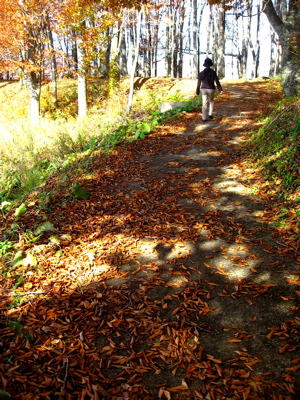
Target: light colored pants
[{"x": 207, "y": 102}]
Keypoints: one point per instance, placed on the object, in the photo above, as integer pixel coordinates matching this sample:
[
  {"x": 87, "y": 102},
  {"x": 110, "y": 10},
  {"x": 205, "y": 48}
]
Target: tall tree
[
  {"x": 169, "y": 27},
  {"x": 220, "y": 40},
  {"x": 180, "y": 41},
  {"x": 53, "y": 63},
  {"x": 81, "y": 71},
  {"x": 135, "y": 61},
  {"x": 287, "y": 26},
  {"x": 195, "y": 35},
  {"x": 273, "y": 71},
  {"x": 22, "y": 46},
  {"x": 256, "y": 49}
]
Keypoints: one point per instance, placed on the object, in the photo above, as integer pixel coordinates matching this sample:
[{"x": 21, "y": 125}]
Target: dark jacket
[{"x": 207, "y": 79}]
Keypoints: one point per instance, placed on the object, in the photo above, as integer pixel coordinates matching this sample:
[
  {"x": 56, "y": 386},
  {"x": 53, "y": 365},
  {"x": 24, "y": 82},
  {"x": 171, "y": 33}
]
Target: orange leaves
[
  {"x": 234, "y": 340},
  {"x": 239, "y": 336},
  {"x": 294, "y": 367},
  {"x": 160, "y": 262},
  {"x": 166, "y": 392},
  {"x": 284, "y": 348}
]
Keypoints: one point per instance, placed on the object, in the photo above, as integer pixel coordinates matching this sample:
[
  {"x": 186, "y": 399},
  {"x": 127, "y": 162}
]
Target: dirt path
[{"x": 171, "y": 287}]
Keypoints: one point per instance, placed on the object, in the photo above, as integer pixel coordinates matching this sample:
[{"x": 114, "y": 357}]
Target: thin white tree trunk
[
  {"x": 34, "y": 87},
  {"x": 82, "y": 100},
  {"x": 257, "y": 57},
  {"x": 135, "y": 61},
  {"x": 198, "y": 39},
  {"x": 173, "y": 35},
  {"x": 243, "y": 52},
  {"x": 209, "y": 29},
  {"x": 52, "y": 63},
  {"x": 180, "y": 39},
  {"x": 156, "y": 41},
  {"x": 221, "y": 38},
  {"x": 272, "y": 70},
  {"x": 168, "y": 41},
  {"x": 190, "y": 39},
  {"x": 195, "y": 41}
]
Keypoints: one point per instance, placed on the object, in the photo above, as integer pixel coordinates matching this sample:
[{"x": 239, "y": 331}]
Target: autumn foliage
[{"x": 158, "y": 279}]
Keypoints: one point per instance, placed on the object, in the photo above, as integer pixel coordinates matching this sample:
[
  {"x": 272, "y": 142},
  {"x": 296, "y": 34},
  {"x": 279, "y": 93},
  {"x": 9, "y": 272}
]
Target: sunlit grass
[
  {"x": 29, "y": 154},
  {"x": 275, "y": 147},
  {"x": 273, "y": 158}
]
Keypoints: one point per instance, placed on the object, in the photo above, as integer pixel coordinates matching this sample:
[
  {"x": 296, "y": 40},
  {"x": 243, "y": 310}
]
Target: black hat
[{"x": 208, "y": 63}]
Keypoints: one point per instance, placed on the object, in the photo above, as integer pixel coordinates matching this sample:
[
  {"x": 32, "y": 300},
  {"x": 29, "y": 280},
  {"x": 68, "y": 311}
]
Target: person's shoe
[
  {"x": 204, "y": 120},
  {"x": 210, "y": 117}
]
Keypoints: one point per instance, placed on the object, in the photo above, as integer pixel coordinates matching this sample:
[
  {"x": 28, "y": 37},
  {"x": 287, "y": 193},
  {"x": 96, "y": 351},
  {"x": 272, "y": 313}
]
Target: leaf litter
[{"x": 163, "y": 283}]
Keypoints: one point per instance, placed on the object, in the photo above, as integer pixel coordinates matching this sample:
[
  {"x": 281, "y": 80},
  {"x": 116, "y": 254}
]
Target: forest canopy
[{"x": 47, "y": 40}]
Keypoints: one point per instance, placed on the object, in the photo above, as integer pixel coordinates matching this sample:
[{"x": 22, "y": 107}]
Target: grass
[
  {"x": 31, "y": 154},
  {"x": 273, "y": 155},
  {"x": 276, "y": 149},
  {"x": 5, "y": 247}
]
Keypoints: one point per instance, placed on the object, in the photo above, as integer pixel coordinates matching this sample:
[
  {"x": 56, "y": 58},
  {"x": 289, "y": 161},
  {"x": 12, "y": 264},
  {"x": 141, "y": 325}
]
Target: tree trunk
[
  {"x": 82, "y": 100},
  {"x": 236, "y": 45},
  {"x": 34, "y": 87},
  {"x": 209, "y": 29},
  {"x": 123, "y": 58},
  {"x": 257, "y": 58},
  {"x": 149, "y": 50},
  {"x": 220, "y": 48},
  {"x": 272, "y": 70},
  {"x": 168, "y": 58},
  {"x": 180, "y": 49},
  {"x": 198, "y": 40},
  {"x": 104, "y": 63},
  {"x": 288, "y": 31},
  {"x": 155, "y": 42},
  {"x": 189, "y": 30},
  {"x": 243, "y": 53},
  {"x": 195, "y": 65},
  {"x": 172, "y": 38},
  {"x": 249, "y": 44},
  {"x": 135, "y": 61},
  {"x": 52, "y": 64}
]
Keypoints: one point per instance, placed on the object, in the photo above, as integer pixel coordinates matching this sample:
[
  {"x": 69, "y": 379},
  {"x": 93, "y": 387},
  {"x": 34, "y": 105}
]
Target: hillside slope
[{"x": 162, "y": 281}]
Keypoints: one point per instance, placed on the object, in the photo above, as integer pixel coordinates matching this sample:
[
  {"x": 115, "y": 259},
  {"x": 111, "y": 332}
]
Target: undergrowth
[
  {"x": 274, "y": 154},
  {"x": 29, "y": 155},
  {"x": 276, "y": 149}
]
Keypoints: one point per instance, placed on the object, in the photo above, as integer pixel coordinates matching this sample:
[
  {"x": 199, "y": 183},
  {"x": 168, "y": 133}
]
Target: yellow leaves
[{"x": 207, "y": 265}]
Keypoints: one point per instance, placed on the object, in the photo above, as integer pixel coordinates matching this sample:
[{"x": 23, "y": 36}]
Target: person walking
[{"x": 206, "y": 81}]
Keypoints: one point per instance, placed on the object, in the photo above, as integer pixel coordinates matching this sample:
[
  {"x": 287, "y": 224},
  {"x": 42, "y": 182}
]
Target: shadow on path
[{"x": 172, "y": 286}]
